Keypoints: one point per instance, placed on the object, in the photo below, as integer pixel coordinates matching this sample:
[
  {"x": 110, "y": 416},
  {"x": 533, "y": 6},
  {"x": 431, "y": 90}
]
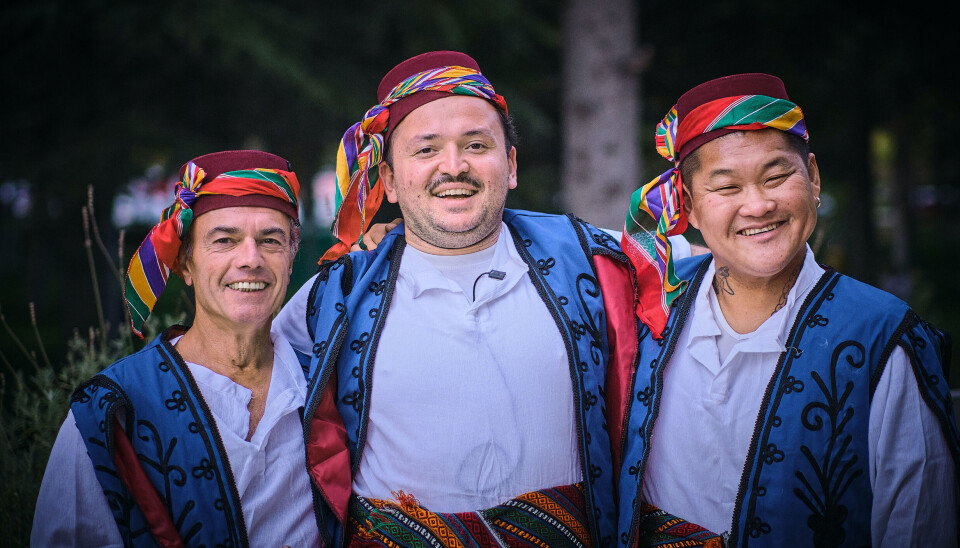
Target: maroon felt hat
[
  {"x": 217, "y": 163},
  {"x": 415, "y": 65},
  {"x": 754, "y": 83}
]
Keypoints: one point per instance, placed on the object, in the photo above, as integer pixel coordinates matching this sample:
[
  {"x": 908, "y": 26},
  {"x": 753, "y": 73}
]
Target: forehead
[
  {"x": 745, "y": 151},
  {"x": 240, "y": 218},
  {"x": 450, "y": 116}
]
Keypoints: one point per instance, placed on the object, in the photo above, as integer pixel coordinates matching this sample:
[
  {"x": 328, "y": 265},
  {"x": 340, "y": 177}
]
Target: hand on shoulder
[{"x": 375, "y": 234}]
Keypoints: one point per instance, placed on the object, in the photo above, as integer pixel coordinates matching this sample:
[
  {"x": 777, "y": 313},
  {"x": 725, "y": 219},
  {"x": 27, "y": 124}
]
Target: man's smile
[
  {"x": 760, "y": 230},
  {"x": 455, "y": 193},
  {"x": 247, "y": 286}
]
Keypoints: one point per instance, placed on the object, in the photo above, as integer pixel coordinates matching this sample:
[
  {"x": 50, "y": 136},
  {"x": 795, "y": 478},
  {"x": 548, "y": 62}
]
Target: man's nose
[
  {"x": 757, "y": 202},
  {"x": 249, "y": 253},
  {"x": 452, "y": 161}
]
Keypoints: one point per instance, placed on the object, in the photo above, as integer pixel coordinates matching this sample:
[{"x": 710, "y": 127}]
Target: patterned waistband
[
  {"x": 659, "y": 529},
  {"x": 549, "y": 518}
]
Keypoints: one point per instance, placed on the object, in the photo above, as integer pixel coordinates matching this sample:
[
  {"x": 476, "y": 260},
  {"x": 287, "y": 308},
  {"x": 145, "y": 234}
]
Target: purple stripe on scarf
[
  {"x": 350, "y": 145},
  {"x": 151, "y": 267}
]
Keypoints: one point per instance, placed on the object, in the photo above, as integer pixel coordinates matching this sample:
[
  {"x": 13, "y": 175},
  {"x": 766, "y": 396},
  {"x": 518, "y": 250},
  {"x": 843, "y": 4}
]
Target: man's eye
[
  {"x": 777, "y": 179},
  {"x": 476, "y": 146}
]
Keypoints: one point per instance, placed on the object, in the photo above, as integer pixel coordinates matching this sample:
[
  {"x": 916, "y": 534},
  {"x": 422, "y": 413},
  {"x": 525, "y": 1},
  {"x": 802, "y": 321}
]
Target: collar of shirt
[
  {"x": 229, "y": 401},
  {"x": 419, "y": 271},
  {"x": 769, "y": 337}
]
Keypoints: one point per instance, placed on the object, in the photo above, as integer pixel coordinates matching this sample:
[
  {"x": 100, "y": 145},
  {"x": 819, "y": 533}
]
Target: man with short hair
[
  {"x": 458, "y": 371},
  {"x": 196, "y": 439},
  {"x": 787, "y": 404}
]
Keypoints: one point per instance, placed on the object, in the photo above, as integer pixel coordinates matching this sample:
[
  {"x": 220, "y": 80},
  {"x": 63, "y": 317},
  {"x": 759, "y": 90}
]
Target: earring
[{"x": 818, "y": 202}]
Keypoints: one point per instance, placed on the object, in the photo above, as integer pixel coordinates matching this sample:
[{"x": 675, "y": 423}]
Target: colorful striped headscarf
[
  {"x": 656, "y": 209},
  {"x": 156, "y": 257},
  {"x": 358, "y": 191}
]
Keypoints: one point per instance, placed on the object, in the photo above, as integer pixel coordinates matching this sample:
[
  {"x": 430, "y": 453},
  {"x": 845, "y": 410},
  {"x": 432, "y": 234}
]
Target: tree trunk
[{"x": 601, "y": 106}]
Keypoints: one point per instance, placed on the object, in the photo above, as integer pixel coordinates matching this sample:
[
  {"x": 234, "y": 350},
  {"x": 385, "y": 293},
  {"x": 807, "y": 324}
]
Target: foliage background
[{"x": 97, "y": 92}]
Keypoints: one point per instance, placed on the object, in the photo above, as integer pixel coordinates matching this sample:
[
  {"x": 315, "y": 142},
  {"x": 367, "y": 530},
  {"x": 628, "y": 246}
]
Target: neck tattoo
[
  {"x": 721, "y": 281},
  {"x": 786, "y": 289}
]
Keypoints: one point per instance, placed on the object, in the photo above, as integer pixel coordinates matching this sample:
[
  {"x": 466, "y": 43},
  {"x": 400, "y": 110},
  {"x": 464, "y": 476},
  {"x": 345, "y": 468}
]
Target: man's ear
[
  {"x": 512, "y": 161},
  {"x": 386, "y": 177},
  {"x": 813, "y": 171},
  {"x": 687, "y": 210},
  {"x": 185, "y": 270}
]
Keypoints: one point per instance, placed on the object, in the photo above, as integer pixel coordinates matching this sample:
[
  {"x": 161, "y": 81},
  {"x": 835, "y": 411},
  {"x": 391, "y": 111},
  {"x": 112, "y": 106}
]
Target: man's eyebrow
[
  {"x": 781, "y": 162},
  {"x": 424, "y": 137},
  {"x": 226, "y": 229},
  {"x": 272, "y": 231},
  {"x": 720, "y": 172},
  {"x": 478, "y": 131},
  {"x": 469, "y": 133}
]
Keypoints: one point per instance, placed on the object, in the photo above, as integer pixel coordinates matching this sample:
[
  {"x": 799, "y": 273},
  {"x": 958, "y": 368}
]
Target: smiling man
[
  {"x": 789, "y": 405},
  {"x": 458, "y": 370},
  {"x": 196, "y": 439}
]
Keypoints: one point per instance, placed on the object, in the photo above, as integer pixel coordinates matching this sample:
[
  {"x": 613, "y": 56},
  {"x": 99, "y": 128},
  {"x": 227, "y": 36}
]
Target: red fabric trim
[
  {"x": 619, "y": 297},
  {"x": 135, "y": 479},
  {"x": 328, "y": 459}
]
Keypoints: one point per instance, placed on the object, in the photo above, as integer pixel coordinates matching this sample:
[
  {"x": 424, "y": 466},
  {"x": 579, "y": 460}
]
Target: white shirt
[
  {"x": 471, "y": 401},
  {"x": 269, "y": 470},
  {"x": 709, "y": 408}
]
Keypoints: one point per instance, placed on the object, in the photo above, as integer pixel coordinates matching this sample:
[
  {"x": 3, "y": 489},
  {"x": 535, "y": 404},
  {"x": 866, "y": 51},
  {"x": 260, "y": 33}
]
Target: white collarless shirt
[
  {"x": 709, "y": 408},
  {"x": 472, "y": 401},
  {"x": 269, "y": 470}
]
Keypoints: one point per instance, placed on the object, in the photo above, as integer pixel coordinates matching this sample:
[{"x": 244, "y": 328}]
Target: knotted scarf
[
  {"x": 656, "y": 209},
  {"x": 358, "y": 190},
  {"x": 151, "y": 264}
]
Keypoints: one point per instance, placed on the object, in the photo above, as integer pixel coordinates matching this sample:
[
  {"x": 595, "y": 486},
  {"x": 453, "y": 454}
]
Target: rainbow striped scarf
[
  {"x": 359, "y": 192},
  {"x": 656, "y": 209},
  {"x": 151, "y": 264}
]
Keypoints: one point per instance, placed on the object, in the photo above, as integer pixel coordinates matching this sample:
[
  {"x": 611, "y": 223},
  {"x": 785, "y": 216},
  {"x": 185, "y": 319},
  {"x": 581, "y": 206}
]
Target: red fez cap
[
  {"x": 728, "y": 86},
  {"x": 218, "y": 163},
  {"x": 416, "y": 65}
]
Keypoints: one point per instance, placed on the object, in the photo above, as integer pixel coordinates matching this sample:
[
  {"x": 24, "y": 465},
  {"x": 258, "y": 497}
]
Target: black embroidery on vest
[
  {"x": 173, "y": 475},
  {"x": 544, "y": 265},
  {"x": 600, "y": 237},
  {"x": 588, "y": 285},
  {"x": 832, "y": 476}
]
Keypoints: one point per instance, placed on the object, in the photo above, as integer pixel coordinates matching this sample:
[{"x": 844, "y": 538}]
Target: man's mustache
[{"x": 460, "y": 178}]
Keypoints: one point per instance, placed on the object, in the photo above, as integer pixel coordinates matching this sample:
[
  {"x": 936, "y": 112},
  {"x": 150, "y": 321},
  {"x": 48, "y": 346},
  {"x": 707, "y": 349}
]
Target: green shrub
[{"x": 35, "y": 399}]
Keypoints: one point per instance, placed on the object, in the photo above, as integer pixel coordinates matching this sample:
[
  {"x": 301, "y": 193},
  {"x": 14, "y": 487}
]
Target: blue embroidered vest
[
  {"x": 806, "y": 479},
  {"x": 351, "y": 299},
  {"x": 176, "y": 442}
]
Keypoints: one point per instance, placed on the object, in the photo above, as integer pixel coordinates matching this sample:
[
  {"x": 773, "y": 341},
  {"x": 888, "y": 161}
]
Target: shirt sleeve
[
  {"x": 911, "y": 470},
  {"x": 71, "y": 508},
  {"x": 291, "y": 321}
]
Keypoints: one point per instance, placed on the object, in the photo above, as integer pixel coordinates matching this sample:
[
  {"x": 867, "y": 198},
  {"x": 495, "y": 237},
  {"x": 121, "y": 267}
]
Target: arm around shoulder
[{"x": 291, "y": 321}]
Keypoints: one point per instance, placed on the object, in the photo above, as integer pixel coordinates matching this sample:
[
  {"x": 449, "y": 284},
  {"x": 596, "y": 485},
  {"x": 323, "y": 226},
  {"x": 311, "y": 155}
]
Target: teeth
[
  {"x": 456, "y": 192},
  {"x": 753, "y": 231},
  {"x": 247, "y": 286}
]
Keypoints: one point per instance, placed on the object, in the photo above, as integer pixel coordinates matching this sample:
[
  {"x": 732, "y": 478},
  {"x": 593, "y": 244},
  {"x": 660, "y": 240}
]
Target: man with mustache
[{"x": 458, "y": 371}]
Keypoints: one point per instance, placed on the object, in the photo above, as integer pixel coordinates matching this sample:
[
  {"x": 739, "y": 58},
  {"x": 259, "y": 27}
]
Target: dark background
[{"x": 95, "y": 93}]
